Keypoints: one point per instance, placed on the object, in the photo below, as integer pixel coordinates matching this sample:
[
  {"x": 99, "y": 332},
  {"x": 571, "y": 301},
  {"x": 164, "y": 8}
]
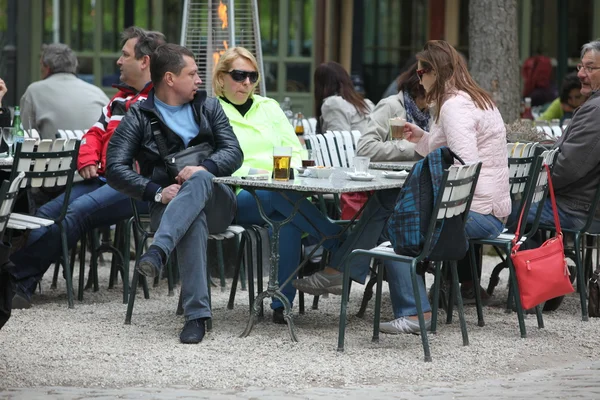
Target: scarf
[{"x": 414, "y": 114}]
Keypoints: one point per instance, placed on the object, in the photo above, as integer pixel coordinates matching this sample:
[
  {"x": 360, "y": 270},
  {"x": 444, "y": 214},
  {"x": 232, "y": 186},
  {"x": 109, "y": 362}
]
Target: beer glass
[{"x": 282, "y": 157}]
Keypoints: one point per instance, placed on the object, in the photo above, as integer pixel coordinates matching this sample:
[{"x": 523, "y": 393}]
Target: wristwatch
[{"x": 158, "y": 196}]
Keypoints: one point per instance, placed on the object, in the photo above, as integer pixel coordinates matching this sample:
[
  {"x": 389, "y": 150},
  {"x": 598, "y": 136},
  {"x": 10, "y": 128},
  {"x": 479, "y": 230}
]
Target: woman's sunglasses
[
  {"x": 240, "y": 76},
  {"x": 422, "y": 71}
]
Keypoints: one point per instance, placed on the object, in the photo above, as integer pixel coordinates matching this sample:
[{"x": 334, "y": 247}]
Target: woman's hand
[{"x": 413, "y": 133}]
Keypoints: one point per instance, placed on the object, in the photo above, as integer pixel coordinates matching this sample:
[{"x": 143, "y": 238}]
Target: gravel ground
[{"x": 90, "y": 347}]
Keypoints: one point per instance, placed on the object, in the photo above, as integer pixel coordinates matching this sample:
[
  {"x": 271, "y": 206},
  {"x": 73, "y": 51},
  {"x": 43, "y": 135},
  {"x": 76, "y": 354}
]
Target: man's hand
[
  {"x": 3, "y": 90},
  {"x": 186, "y": 173},
  {"x": 89, "y": 172},
  {"x": 169, "y": 193}
]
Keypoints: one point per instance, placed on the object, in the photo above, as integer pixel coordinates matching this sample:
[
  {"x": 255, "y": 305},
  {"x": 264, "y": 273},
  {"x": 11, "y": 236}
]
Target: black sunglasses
[{"x": 240, "y": 76}]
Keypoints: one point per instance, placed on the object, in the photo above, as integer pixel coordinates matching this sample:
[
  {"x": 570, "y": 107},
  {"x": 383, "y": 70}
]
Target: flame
[{"x": 222, "y": 11}]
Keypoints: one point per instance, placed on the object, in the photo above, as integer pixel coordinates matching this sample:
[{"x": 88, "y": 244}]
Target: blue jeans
[
  {"x": 482, "y": 226},
  {"x": 92, "y": 204},
  {"x": 200, "y": 208},
  {"x": 276, "y": 207},
  {"x": 568, "y": 221}
]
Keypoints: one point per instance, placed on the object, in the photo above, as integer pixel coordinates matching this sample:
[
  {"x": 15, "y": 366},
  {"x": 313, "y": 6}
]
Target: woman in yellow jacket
[{"x": 260, "y": 125}]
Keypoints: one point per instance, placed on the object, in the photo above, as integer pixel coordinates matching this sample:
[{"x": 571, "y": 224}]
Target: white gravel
[{"x": 89, "y": 346}]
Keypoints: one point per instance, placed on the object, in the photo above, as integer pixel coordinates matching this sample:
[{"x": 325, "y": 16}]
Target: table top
[
  {"x": 338, "y": 182},
  {"x": 392, "y": 165},
  {"x": 6, "y": 162}
]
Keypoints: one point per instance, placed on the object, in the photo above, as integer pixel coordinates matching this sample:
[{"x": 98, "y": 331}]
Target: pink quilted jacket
[{"x": 475, "y": 135}]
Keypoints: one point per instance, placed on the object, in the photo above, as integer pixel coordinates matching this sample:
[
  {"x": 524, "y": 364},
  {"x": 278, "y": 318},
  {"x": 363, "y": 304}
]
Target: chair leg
[
  {"x": 82, "y": 249},
  {"x": 170, "y": 267},
  {"x": 126, "y": 246},
  {"x": 581, "y": 282},
  {"x": 461, "y": 311},
  {"x": 436, "y": 296},
  {"x": 221, "y": 263},
  {"x": 67, "y": 267},
  {"x": 344, "y": 304},
  {"x": 422, "y": 327},
  {"x": 475, "y": 276},
  {"x": 236, "y": 273},
  {"x": 179, "y": 305},
  {"x": 515, "y": 291},
  {"x": 377, "y": 312},
  {"x": 134, "y": 282},
  {"x": 368, "y": 294},
  {"x": 55, "y": 275},
  {"x": 451, "y": 293},
  {"x": 209, "y": 322}
]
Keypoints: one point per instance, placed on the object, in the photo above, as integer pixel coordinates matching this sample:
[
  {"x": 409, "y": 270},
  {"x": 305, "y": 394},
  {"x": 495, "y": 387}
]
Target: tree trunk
[{"x": 494, "y": 52}]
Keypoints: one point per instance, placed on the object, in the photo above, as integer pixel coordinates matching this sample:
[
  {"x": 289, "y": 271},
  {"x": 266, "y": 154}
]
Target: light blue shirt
[{"x": 180, "y": 119}]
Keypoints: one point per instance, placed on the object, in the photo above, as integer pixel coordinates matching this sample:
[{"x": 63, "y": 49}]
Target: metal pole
[
  {"x": 231, "y": 23},
  {"x": 259, "y": 55},
  {"x": 56, "y": 21},
  {"x": 184, "y": 23},
  {"x": 563, "y": 29}
]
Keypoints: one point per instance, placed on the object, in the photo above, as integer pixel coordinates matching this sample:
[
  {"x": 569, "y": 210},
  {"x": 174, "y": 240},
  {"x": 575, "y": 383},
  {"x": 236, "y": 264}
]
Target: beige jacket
[
  {"x": 374, "y": 141},
  {"x": 340, "y": 115},
  {"x": 61, "y": 101}
]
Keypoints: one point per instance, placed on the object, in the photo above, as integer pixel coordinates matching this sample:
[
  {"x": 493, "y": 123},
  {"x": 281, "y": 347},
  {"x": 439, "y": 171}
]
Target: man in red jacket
[{"x": 92, "y": 203}]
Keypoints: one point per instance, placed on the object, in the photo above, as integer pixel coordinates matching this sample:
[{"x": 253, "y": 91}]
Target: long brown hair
[
  {"x": 409, "y": 82},
  {"x": 331, "y": 79},
  {"x": 452, "y": 75}
]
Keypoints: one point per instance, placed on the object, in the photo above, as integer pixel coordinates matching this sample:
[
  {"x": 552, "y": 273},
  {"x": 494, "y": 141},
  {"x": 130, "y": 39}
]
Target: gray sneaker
[
  {"x": 403, "y": 325},
  {"x": 320, "y": 283}
]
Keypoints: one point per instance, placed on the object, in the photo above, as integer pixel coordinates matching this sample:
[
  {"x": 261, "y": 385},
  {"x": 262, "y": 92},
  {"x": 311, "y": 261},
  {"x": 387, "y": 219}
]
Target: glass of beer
[
  {"x": 282, "y": 157},
  {"x": 397, "y": 128}
]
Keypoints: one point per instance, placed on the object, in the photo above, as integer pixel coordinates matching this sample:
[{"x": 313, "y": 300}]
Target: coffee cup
[{"x": 397, "y": 128}]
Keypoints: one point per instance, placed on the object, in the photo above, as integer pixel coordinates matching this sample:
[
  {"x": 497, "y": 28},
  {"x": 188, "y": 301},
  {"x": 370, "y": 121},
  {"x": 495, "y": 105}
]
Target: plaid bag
[{"x": 408, "y": 224}]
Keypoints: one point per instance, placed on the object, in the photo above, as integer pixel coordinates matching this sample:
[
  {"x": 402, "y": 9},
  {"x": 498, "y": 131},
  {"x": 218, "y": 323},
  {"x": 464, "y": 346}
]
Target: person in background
[
  {"x": 569, "y": 100},
  {"x": 5, "y": 117},
  {"x": 338, "y": 107},
  {"x": 92, "y": 202},
  {"x": 260, "y": 124},
  {"x": 409, "y": 103},
  {"x": 184, "y": 208},
  {"x": 537, "y": 80},
  {"x": 392, "y": 88},
  {"x": 60, "y": 100}
]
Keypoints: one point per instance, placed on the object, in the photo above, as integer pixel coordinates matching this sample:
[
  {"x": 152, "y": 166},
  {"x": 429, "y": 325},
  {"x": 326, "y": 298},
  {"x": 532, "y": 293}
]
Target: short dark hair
[
  {"x": 147, "y": 41},
  {"x": 409, "y": 82},
  {"x": 570, "y": 82},
  {"x": 167, "y": 58}
]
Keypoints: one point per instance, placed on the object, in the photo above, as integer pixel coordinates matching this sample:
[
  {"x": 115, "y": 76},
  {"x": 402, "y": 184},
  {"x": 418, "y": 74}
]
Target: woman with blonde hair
[
  {"x": 467, "y": 121},
  {"x": 260, "y": 125}
]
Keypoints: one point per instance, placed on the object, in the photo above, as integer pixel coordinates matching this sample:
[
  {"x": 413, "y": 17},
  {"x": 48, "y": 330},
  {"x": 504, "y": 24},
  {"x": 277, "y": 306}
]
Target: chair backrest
[
  {"x": 520, "y": 160},
  {"x": 539, "y": 188},
  {"x": 8, "y": 194},
  {"x": 51, "y": 164},
  {"x": 457, "y": 188}
]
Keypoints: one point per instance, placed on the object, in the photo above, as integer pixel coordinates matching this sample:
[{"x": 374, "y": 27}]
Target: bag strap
[
  {"x": 554, "y": 211},
  {"x": 158, "y": 137}
]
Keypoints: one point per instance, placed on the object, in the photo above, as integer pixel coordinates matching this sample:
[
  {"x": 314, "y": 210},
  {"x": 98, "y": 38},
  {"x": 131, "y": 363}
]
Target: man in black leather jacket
[{"x": 185, "y": 208}]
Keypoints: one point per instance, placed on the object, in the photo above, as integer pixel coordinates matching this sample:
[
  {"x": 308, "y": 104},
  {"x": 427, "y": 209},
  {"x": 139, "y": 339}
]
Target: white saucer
[
  {"x": 364, "y": 178},
  {"x": 395, "y": 174}
]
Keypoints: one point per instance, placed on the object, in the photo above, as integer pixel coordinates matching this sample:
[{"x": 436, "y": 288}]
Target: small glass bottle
[
  {"x": 527, "y": 114},
  {"x": 19, "y": 133},
  {"x": 299, "y": 127}
]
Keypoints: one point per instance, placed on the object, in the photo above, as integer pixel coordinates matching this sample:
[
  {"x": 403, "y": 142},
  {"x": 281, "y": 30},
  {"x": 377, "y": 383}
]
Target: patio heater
[{"x": 212, "y": 26}]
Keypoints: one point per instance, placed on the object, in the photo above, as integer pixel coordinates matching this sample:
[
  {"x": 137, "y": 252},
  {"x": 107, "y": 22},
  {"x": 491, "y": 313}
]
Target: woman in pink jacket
[{"x": 467, "y": 121}]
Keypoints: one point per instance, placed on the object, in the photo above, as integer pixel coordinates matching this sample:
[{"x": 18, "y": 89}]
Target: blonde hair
[{"x": 224, "y": 66}]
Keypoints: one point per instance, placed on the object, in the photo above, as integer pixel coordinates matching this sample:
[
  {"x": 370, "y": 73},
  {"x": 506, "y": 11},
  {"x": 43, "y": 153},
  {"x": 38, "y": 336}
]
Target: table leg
[{"x": 273, "y": 285}]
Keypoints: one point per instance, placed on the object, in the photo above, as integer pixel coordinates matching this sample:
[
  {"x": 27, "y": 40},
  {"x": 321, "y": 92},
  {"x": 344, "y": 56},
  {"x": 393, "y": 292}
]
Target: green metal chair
[
  {"x": 532, "y": 189},
  {"x": 457, "y": 188}
]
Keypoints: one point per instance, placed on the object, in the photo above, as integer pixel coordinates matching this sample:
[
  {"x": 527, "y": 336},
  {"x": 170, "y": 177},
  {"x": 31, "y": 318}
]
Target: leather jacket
[{"x": 133, "y": 141}]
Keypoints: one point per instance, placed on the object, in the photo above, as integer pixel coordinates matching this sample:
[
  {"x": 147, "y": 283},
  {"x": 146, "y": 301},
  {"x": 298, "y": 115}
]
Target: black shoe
[
  {"x": 278, "y": 316},
  {"x": 20, "y": 301},
  {"x": 193, "y": 331},
  {"x": 150, "y": 263}
]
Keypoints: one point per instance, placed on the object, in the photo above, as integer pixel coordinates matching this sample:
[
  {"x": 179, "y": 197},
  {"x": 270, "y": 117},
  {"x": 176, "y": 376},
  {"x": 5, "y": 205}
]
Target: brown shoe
[{"x": 467, "y": 292}]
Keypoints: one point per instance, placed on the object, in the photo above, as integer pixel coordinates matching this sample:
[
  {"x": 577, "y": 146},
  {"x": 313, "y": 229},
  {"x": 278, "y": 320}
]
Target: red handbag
[{"x": 542, "y": 273}]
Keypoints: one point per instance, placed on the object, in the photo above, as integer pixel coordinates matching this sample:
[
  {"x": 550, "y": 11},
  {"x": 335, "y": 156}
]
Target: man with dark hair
[
  {"x": 60, "y": 100},
  {"x": 186, "y": 207},
  {"x": 92, "y": 202}
]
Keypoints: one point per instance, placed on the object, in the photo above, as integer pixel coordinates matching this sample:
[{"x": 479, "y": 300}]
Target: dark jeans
[{"x": 92, "y": 204}]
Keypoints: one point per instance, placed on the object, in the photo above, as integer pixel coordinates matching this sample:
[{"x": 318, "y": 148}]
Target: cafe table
[
  {"x": 339, "y": 182},
  {"x": 392, "y": 165}
]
